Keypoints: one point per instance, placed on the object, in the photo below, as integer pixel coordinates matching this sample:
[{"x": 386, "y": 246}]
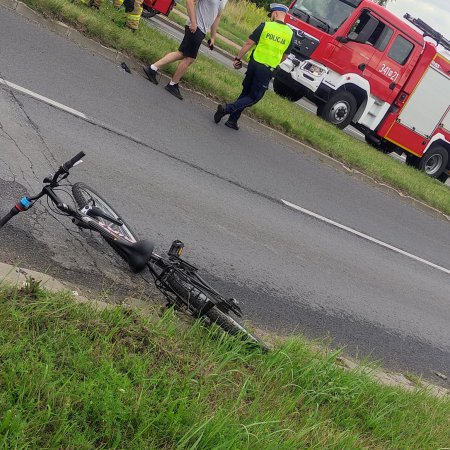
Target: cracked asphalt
[{"x": 219, "y": 192}]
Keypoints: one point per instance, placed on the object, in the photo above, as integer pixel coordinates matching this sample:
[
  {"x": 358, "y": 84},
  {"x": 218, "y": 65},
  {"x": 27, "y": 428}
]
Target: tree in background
[{"x": 384, "y": 2}]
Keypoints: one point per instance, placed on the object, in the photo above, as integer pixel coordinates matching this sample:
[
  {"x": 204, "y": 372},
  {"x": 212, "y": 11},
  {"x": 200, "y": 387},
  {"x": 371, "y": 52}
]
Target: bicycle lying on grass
[{"x": 178, "y": 280}]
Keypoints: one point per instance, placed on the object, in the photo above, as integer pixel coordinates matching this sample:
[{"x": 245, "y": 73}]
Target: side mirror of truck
[{"x": 342, "y": 39}]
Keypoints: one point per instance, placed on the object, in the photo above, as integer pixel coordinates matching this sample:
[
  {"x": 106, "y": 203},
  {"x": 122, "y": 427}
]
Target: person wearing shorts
[
  {"x": 191, "y": 42},
  {"x": 204, "y": 17}
]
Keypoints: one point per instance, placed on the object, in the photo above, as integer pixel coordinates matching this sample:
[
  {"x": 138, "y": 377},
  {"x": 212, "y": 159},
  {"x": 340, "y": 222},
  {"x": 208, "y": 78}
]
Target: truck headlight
[{"x": 314, "y": 69}]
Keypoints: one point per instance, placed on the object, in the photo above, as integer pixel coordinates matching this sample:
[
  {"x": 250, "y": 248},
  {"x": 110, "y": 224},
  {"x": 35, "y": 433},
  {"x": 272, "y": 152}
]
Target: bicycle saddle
[{"x": 137, "y": 254}]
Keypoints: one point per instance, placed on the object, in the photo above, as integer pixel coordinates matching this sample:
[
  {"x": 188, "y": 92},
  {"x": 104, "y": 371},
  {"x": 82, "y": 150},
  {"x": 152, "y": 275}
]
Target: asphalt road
[{"x": 220, "y": 192}]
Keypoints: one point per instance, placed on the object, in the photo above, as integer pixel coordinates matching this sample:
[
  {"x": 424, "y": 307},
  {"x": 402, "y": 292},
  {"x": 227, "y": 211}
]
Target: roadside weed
[{"x": 74, "y": 377}]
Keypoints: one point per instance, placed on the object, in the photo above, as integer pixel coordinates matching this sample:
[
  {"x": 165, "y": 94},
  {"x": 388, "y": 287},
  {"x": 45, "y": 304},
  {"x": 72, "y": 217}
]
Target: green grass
[
  {"x": 106, "y": 26},
  {"x": 74, "y": 377},
  {"x": 241, "y": 17},
  {"x": 232, "y": 50}
]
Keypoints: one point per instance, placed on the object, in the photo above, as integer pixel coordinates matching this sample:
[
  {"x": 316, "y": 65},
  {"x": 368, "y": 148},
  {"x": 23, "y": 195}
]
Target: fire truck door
[
  {"x": 350, "y": 54},
  {"x": 391, "y": 64},
  {"x": 378, "y": 53}
]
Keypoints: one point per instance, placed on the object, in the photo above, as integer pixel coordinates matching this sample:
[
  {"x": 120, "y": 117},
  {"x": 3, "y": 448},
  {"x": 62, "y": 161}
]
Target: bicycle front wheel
[
  {"x": 195, "y": 300},
  {"x": 86, "y": 197}
]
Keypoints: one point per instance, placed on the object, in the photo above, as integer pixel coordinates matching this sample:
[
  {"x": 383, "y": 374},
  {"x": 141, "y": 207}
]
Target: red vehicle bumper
[{"x": 161, "y": 6}]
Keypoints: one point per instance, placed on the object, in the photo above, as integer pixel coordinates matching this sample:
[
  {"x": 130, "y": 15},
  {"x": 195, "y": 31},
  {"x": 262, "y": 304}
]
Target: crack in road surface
[{"x": 138, "y": 141}]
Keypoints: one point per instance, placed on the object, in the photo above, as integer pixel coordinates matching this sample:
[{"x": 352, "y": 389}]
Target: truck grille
[{"x": 304, "y": 44}]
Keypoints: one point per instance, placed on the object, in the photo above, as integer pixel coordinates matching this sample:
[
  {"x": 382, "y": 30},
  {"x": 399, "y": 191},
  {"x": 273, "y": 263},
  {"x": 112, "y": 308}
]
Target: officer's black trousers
[{"x": 255, "y": 84}]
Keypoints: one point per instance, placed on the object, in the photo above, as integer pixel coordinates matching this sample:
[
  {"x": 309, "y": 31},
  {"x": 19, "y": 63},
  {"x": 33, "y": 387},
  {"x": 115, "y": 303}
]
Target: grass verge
[
  {"x": 75, "y": 377},
  {"x": 241, "y": 17},
  {"x": 106, "y": 26}
]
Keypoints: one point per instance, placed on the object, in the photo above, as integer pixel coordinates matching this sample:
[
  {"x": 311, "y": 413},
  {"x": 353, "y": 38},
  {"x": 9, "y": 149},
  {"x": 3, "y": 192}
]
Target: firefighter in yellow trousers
[{"x": 133, "y": 9}]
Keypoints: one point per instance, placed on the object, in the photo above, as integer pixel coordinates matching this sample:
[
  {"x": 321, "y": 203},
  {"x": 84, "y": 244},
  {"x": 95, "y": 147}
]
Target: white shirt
[{"x": 206, "y": 12}]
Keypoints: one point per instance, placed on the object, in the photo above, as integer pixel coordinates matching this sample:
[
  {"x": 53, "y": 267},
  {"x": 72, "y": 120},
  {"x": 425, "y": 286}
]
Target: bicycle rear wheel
[
  {"x": 85, "y": 196},
  {"x": 232, "y": 326},
  {"x": 195, "y": 299}
]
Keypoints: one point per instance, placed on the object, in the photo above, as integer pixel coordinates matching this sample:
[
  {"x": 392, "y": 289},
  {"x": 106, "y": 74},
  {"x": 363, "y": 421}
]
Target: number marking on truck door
[{"x": 388, "y": 72}]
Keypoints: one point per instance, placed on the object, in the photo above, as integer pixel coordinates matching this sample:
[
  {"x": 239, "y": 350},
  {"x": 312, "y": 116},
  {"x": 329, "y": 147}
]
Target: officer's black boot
[
  {"x": 231, "y": 124},
  {"x": 218, "y": 115}
]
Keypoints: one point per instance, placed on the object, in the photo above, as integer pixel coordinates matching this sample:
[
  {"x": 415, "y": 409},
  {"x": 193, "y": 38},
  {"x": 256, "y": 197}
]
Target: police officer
[{"x": 271, "y": 42}]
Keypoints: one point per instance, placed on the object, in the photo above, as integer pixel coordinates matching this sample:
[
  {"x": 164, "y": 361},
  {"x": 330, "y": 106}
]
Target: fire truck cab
[{"x": 361, "y": 64}]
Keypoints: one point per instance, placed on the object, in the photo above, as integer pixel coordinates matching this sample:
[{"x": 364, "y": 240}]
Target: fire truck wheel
[
  {"x": 434, "y": 161},
  {"x": 339, "y": 109},
  {"x": 285, "y": 91}
]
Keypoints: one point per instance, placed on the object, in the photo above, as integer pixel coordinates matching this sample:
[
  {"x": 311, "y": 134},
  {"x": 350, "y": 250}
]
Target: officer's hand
[
  {"x": 211, "y": 43},
  {"x": 237, "y": 63},
  {"x": 193, "y": 27}
]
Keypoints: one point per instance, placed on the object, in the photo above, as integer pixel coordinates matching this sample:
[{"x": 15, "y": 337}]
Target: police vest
[{"x": 273, "y": 43}]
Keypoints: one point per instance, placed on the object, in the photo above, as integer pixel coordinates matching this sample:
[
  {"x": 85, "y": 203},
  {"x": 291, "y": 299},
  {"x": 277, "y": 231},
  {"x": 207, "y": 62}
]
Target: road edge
[{"x": 18, "y": 276}]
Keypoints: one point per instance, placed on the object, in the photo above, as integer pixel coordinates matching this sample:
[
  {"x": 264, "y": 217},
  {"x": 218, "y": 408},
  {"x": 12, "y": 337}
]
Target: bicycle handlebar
[
  {"x": 69, "y": 164},
  {"x": 64, "y": 168},
  {"x": 14, "y": 211},
  {"x": 27, "y": 202}
]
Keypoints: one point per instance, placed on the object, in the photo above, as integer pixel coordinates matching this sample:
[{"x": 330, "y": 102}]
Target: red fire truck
[{"x": 362, "y": 65}]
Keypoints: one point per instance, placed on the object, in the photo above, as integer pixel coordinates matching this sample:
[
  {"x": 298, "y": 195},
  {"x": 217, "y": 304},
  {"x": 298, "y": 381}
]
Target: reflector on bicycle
[{"x": 176, "y": 249}]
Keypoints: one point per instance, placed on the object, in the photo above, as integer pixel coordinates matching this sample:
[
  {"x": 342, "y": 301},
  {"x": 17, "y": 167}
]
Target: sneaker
[
  {"x": 231, "y": 124},
  {"x": 219, "y": 113},
  {"x": 174, "y": 90},
  {"x": 151, "y": 74}
]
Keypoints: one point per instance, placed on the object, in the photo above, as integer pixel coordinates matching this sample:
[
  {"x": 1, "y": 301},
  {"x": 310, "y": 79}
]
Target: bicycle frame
[
  {"x": 160, "y": 268},
  {"x": 184, "y": 270}
]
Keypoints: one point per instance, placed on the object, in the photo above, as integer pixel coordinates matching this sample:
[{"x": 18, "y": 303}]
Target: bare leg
[
  {"x": 169, "y": 58},
  {"x": 183, "y": 66}
]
